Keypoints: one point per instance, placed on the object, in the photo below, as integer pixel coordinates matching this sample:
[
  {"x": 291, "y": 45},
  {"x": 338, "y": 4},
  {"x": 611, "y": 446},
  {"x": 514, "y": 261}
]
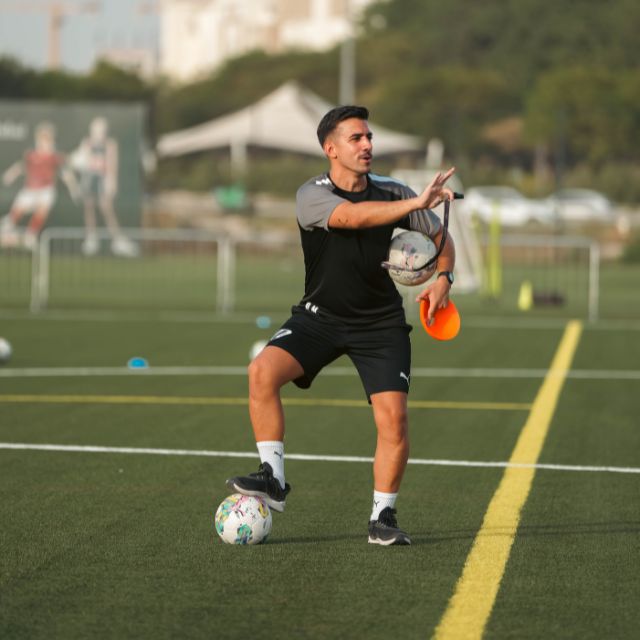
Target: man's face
[
  {"x": 45, "y": 141},
  {"x": 98, "y": 129},
  {"x": 350, "y": 145}
]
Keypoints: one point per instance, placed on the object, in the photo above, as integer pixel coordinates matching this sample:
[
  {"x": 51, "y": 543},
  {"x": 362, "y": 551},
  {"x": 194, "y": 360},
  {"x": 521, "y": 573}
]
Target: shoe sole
[
  {"x": 392, "y": 541},
  {"x": 276, "y": 505}
]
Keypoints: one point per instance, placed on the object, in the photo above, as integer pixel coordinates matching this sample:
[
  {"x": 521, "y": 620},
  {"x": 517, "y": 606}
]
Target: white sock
[
  {"x": 272, "y": 451},
  {"x": 382, "y": 501}
]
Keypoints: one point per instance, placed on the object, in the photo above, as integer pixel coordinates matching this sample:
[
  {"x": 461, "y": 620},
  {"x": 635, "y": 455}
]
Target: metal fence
[
  {"x": 261, "y": 273},
  {"x": 171, "y": 270}
]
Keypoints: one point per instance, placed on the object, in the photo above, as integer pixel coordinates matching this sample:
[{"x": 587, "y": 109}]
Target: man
[
  {"x": 40, "y": 167},
  {"x": 350, "y": 306},
  {"x": 96, "y": 160}
]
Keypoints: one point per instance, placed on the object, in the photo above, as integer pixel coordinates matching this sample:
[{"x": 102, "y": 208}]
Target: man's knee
[
  {"x": 392, "y": 421},
  {"x": 396, "y": 427},
  {"x": 261, "y": 375},
  {"x": 271, "y": 370}
]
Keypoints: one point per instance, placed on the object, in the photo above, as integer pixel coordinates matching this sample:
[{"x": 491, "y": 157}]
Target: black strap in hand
[{"x": 445, "y": 230}]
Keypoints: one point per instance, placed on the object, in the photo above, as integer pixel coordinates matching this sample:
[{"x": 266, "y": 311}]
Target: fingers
[
  {"x": 436, "y": 188},
  {"x": 440, "y": 178},
  {"x": 446, "y": 194},
  {"x": 436, "y": 181},
  {"x": 449, "y": 173},
  {"x": 436, "y": 191},
  {"x": 436, "y": 299}
]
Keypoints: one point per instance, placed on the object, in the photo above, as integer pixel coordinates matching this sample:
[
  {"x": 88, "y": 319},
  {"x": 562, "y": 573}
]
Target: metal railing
[
  {"x": 168, "y": 268},
  {"x": 260, "y": 272}
]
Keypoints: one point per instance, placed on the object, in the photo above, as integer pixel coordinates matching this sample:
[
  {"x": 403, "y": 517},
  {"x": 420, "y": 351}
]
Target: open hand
[{"x": 436, "y": 191}]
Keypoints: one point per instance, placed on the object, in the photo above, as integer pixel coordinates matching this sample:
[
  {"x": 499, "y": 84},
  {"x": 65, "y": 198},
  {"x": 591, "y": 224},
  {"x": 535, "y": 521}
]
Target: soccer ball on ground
[
  {"x": 243, "y": 520},
  {"x": 5, "y": 350},
  {"x": 409, "y": 254}
]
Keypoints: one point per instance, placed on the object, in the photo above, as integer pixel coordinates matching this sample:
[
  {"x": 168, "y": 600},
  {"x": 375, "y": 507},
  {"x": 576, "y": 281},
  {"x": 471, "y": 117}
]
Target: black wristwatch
[{"x": 448, "y": 275}]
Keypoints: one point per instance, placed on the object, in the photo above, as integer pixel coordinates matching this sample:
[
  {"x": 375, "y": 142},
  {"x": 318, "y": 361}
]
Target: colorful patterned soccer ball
[
  {"x": 409, "y": 253},
  {"x": 243, "y": 520}
]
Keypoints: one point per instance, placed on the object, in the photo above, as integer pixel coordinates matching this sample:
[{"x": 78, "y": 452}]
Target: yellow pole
[{"x": 495, "y": 257}]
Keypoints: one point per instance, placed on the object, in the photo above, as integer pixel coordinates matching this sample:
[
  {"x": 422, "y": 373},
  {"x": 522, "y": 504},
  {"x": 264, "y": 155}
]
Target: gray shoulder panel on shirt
[{"x": 315, "y": 202}]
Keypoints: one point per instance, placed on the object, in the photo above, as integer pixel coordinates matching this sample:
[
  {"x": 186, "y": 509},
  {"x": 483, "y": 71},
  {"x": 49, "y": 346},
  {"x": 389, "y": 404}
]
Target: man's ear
[{"x": 329, "y": 148}]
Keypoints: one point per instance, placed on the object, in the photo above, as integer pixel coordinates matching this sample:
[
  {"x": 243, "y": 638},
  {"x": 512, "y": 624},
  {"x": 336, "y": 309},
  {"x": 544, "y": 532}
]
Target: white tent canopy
[{"x": 286, "y": 119}]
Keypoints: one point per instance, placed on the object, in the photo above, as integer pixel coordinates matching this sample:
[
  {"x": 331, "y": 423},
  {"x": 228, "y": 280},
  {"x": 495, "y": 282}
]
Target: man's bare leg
[
  {"x": 38, "y": 220},
  {"x": 392, "y": 449},
  {"x": 268, "y": 373},
  {"x": 392, "y": 453}
]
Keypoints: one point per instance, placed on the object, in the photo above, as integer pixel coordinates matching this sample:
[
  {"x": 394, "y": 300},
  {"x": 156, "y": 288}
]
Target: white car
[
  {"x": 508, "y": 203},
  {"x": 581, "y": 205}
]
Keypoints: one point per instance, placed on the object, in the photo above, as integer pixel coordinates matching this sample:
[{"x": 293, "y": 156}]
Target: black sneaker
[
  {"x": 385, "y": 530},
  {"x": 262, "y": 484}
]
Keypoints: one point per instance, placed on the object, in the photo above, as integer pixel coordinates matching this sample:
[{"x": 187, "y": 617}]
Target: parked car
[
  {"x": 512, "y": 207},
  {"x": 581, "y": 205}
]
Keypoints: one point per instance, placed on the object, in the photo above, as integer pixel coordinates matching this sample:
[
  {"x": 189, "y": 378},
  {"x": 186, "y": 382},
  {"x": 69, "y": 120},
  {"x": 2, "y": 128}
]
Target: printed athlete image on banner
[
  {"x": 70, "y": 165},
  {"x": 38, "y": 168}
]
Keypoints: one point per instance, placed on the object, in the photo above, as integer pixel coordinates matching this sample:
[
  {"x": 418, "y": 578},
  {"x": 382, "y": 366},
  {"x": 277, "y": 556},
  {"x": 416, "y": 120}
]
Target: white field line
[
  {"x": 209, "y": 317},
  {"x": 72, "y": 448},
  {"x": 417, "y": 372}
]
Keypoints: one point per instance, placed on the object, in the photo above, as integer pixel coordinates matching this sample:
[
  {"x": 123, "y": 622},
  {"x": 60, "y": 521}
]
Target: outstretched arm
[
  {"x": 362, "y": 215},
  {"x": 12, "y": 173}
]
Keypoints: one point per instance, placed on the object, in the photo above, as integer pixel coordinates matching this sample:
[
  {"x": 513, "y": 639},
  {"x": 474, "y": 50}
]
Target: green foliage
[
  {"x": 590, "y": 109},
  {"x": 275, "y": 173},
  {"x": 519, "y": 38},
  {"x": 104, "y": 82},
  {"x": 240, "y": 82},
  {"x": 282, "y": 174},
  {"x": 109, "y": 82},
  {"x": 447, "y": 100},
  {"x": 194, "y": 172},
  {"x": 499, "y": 81},
  {"x": 15, "y": 80},
  {"x": 631, "y": 253},
  {"x": 619, "y": 180}
]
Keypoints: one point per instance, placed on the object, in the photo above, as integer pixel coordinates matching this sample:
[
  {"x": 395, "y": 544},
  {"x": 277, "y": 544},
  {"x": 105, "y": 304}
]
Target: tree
[
  {"x": 587, "y": 111},
  {"x": 452, "y": 103}
]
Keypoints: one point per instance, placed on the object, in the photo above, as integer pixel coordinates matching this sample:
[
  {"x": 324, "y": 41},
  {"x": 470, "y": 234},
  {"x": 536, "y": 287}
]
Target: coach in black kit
[{"x": 350, "y": 306}]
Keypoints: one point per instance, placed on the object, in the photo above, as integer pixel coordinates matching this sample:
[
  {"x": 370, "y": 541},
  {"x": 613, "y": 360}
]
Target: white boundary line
[
  {"x": 417, "y": 372},
  {"x": 73, "y": 448},
  {"x": 479, "y": 322}
]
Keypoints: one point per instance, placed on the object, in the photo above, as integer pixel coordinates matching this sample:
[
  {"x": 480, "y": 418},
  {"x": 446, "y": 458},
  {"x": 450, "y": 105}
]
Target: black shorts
[{"x": 382, "y": 356}]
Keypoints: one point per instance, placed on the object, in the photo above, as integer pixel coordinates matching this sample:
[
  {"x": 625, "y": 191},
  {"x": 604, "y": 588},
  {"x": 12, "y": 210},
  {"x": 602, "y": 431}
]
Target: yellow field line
[
  {"x": 471, "y": 604},
  {"x": 300, "y": 402}
]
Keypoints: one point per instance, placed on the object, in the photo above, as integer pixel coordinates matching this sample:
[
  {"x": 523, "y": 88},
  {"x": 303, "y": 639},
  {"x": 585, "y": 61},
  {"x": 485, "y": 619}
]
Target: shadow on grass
[
  {"x": 421, "y": 538},
  {"x": 439, "y": 536},
  {"x": 579, "y": 528},
  {"x": 533, "y": 530},
  {"x": 314, "y": 539}
]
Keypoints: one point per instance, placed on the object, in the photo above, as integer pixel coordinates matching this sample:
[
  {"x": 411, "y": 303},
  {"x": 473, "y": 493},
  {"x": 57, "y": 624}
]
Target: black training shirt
[{"x": 343, "y": 273}]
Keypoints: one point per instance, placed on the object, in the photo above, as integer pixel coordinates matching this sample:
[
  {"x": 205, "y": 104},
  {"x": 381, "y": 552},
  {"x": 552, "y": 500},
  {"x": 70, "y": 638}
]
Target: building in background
[{"x": 197, "y": 36}]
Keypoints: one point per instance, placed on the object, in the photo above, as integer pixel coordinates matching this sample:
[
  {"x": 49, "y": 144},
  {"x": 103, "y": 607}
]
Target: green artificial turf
[{"x": 112, "y": 545}]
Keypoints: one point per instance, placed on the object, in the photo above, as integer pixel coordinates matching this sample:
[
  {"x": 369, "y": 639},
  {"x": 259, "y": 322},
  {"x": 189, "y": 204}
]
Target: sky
[{"x": 23, "y": 34}]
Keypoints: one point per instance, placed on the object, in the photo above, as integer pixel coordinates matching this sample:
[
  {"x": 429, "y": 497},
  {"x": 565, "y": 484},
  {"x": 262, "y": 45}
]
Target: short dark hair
[{"x": 332, "y": 119}]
